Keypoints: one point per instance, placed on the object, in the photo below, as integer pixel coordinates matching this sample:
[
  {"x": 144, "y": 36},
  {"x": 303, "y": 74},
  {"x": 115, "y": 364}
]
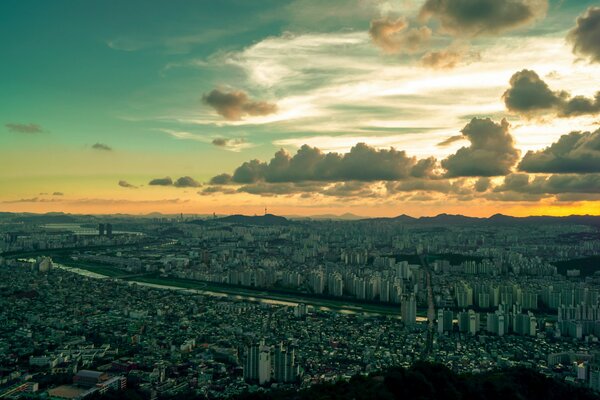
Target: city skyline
[{"x": 377, "y": 108}]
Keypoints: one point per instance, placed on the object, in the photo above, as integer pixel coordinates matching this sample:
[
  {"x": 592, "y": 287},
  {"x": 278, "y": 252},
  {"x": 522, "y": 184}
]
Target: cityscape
[
  {"x": 221, "y": 306},
  {"x": 300, "y": 199}
]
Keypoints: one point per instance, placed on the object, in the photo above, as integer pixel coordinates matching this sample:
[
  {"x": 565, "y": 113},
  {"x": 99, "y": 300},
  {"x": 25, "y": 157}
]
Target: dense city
[{"x": 221, "y": 306}]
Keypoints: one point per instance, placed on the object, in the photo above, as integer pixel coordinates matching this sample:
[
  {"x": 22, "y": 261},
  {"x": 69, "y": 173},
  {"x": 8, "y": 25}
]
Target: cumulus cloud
[
  {"x": 491, "y": 152},
  {"x": 552, "y": 184},
  {"x": 482, "y": 184},
  {"x": 470, "y": 18},
  {"x": 393, "y": 36},
  {"x": 423, "y": 185},
  {"x": 585, "y": 36},
  {"x": 23, "y": 128},
  {"x": 236, "y": 105},
  {"x": 530, "y": 96},
  {"x": 126, "y": 184},
  {"x": 186, "y": 181},
  {"x": 101, "y": 147},
  {"x": 577, "y": 152},
  {"x": 221, "y": 179},
  {"x": 424, "y": 168},
  {"x": 166, "y": 181},
  {"x": 361, "y": 163},
  {"x": 183, "y": 182}
]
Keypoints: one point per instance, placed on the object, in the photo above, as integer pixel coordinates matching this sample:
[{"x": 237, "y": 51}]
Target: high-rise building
[
  {"x": 264, "y": 365},
  {"x": 445, "y": 320},
  {"x": 408, "y": 309},
  {"x": 101, "y": 230},
  {"x": 285, "y": 369},
  {"x": 109, "y": 230},
  {"x": 257, "y": 364}
]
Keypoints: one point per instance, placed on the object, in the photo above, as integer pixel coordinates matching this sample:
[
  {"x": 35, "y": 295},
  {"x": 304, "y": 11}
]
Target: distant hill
[
  {"x": 494, "y": 220},
  {"x": 238, "y": 219},
  {"x": 426, "y": 381},
  {"x": 333, "y": 217}
]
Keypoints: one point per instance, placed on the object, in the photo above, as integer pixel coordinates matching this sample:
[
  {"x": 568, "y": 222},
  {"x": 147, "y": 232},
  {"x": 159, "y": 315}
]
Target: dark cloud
[
  {"x": 235, "y": 105},
  {"x": 577, "y": 152},
  {"x": 183, "y": 182},
  {"x": 220, "y": 142},
  {"x": 350, "y": 189},
  {"x": 424, "y": 168},
  {"x": 550, "y": 185},
  {"x": 530, "y": 96},
  {"x": 166, "y": 181},
  {"x": 491, "y": 152},
  {"x": 425, "y": 185},
  {"x": 585, "y": 37},
  {"x": 393, "y": 36},
  {"x": 470, "y": 18},
  {"x": 482, "y": 184},
  {"x": 230, "y": 144},
  {"x": 186, "y": 181},
  {"x": 23, "y": 128},
  {"x": 207, "y": 191},
  {"x": 221, "y": 179},
  {"x": 362, "y": 163},
  {"x": 450, "y": 140},
  {"x": 126, "y": 184},
  {"x": 101, "y": 147},
  {"x": 57, "y": 194}
]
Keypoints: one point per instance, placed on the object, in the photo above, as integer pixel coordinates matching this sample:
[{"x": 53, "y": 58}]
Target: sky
[{"x": 303, "y": 107}]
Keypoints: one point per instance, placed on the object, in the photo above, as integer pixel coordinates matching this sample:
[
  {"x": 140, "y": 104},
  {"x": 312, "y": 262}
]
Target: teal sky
[{"x": 131, "y": 75}]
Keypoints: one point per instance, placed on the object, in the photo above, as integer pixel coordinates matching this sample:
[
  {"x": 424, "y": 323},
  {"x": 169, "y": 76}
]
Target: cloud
[
  {"x": 530, "y": 96},
  {"x": 450, "y": 140},
  {"x": 443, "y": 59},
  {"x": 577, "y": 152},
  {"x": 58, "y": 194},
  {"x": 231, "y": 144},
  {"x": 482, "y": 184},
  {"x": 186, "y": 181},
  {"x": 470, "y": 18},
  {"x": 101, "y": 147},
  {"x": 491, "y": 152},
  {"x": 183, "y": 182},
  {"x": 393, "y": 36},
  {"x": 23, "y": 128},
  {"x": 166, "y": 181},
  {"x": 423, "y": 185},
  {"x": 236, "y": 105},
  {"x": 126, "y": 184},
  {"x": 31, "y": 200},
  {"x": 450, "y": 57},
  {"x": 361, "y": 163},
  {"x": 207, "y": 191},
  {"x": 424, "y": 168},
  {"x": 221, "y": 179},
  {"x": 552, "y": 184},
  {"x": 585, "y": 37}
]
